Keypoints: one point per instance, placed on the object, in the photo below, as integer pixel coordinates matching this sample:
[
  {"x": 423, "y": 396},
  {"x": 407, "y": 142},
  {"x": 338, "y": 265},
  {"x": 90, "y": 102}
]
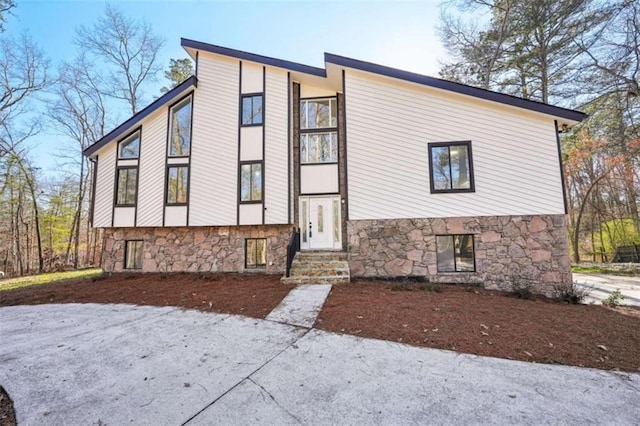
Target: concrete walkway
[
  {"x": 120, "y": 364},
  {"x": 301, "y": 306},
  {"x": 601, "y": 286}
]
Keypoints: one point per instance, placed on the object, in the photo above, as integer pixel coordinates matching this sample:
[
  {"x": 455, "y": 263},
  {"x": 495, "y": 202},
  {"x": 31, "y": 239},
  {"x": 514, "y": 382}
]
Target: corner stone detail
[
  {"x": 196, "y": 249},
  {"x": 529, "y": 249}
]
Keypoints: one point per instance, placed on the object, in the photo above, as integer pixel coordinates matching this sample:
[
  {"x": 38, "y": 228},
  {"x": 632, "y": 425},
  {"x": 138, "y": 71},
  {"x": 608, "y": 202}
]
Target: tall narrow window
[
  {"x": 320, "y": 219},
  {"x": 177, "y": 184},
  {"x": 336, "y": 220},
  {"x": 133, "y": 254},
  {"x": 127, "y": 186},
  {"x": 455, "y": 253},
  {"x": 255, "y": 252},
  {"x": 451, "y": 167},
  {"x": 129, "y": 148},
  {"x": 180, "y": 133},
  {"x": 304, "y": 221},
  {"x": 251, "y": 110},
  {"x": 251, "y": 182}
]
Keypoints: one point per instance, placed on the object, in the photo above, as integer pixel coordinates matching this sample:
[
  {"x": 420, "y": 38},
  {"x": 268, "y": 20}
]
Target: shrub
[
  {"x": 523, "y": 289},
  {"x": 571, "y": 293},
  {"x": 614, "y": 299}
]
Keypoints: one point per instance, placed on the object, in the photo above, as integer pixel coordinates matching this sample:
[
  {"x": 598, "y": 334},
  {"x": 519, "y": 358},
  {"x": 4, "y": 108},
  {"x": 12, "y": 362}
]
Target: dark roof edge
[
  {"x": 455, "y": 87},
  {"x": 280, "y": 63},
  {"x": 191, "y": 81}
]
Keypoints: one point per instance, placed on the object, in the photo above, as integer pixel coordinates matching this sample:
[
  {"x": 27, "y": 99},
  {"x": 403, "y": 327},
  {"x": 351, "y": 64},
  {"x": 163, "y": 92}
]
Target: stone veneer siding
[
  {"x": 196, "y": 249},
  {"x": 529, "y": 249}
]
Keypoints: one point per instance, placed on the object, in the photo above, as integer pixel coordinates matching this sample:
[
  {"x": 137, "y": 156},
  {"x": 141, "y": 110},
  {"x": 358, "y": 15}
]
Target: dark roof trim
[
  {"x": 246, "y": 56},
  {"x": 455, "y": 87},
  {"x": 162, "y": 100}
]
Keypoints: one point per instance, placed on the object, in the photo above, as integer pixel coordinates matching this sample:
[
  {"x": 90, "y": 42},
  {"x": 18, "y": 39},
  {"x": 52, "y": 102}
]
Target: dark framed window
[
  {"x": 318, "y": 113},
  {"x": 318, "y": 148},
  {"x": 177, "y": 184},
  {"x": 250, "y": 182},
  {"x": 252, "y": 110},
  {"x": 133, "y": 254},
  {"x": 180, "y": 129},
  {"x": 455, "y": 253},
  {"x": 451, "y": 167},
  {"x": 255, "y": 250},
  {"x": 127, "y": 186},
  {"x": 129, "y": 147}
]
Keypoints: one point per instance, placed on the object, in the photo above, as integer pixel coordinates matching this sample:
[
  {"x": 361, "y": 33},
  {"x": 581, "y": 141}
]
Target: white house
[{"x": 408, "y": 175}]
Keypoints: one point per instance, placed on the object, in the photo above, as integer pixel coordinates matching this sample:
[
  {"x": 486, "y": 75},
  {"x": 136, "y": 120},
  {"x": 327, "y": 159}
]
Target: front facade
[{"x": 409, "y": 175}]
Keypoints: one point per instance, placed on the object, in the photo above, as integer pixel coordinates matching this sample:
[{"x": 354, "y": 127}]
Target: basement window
[
  {"x": 255, "y": 253},
  {"x": 455, "y": 253},
  {"x": 133, "y": 254}
]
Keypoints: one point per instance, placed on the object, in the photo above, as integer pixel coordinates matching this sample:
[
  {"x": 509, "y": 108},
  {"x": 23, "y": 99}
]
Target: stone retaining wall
[
  {"x": 529, "y": 249},
  {"x": 196, "y": 249}
]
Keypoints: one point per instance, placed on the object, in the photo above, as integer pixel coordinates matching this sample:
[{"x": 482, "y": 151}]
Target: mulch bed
[
  {"x": 243, "y": 294},
  {"x": 489, "y": 323},
  {"x": 7, "y": 413}
]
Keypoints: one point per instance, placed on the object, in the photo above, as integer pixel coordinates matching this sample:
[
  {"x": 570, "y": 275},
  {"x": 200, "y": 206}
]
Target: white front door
[{"x": 320, "y": 223}]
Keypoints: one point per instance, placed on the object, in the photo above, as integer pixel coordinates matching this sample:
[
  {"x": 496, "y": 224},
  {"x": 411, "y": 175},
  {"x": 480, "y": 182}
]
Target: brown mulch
[
  {"x": 243, "y": 294},
  {"x": 7, "y": 413},
  {"x": 489, "y": 323}
]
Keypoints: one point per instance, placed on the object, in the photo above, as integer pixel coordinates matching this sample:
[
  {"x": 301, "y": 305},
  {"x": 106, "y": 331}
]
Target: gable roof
[
  {"x": 122, "y": 128},
  {"x": 356, "y": 64},
  {"x": 454, "y": 87}
]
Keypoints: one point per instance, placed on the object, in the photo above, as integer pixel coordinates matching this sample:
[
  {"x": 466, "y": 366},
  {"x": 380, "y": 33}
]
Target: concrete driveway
[
  {"x": 601, "y": 286},
  {"x": 119, "y": 364}
]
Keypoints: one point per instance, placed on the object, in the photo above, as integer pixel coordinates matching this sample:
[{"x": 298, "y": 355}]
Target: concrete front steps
[{"x": 319, "y": 267}]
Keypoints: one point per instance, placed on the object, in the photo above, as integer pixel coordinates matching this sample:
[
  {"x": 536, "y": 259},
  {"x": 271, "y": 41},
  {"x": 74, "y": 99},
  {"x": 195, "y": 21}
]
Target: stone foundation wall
[
  {"x": 530, "y": 249},
  {"x": 196, "y": 249}
]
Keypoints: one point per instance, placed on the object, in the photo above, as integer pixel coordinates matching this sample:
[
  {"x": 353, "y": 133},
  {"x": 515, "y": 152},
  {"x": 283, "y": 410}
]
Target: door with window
[{"x": 320, "y": 223}]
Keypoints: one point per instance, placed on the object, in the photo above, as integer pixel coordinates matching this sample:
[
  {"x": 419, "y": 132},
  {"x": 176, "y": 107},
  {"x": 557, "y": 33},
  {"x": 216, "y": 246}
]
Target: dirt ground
[
  {"x": 242, "y": 294},
  {"x": 487, "y": 323},
  {"x": 462, "y": 319},
  {"x": 7, "y": 413}
]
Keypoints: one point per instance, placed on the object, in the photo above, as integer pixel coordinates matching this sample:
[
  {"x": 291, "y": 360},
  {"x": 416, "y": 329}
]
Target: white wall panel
[
  {"x": 251, "y": 143},
  {"x": 124, "y": 216},
  {"x": 307, "y": 91},
  {"x": 105, "y": 186},
  {"x": 251, "y": 214},
  {"x": 175, "y": 216},
  {"x": 214, "y": 147},
  {"x": 276, "y": 147},
  {"x": 389, "y": 125},
  {"x": 151, "y": 170},
  {"x": 319, "y": 178},
  {"x": 252, "y": 77}
]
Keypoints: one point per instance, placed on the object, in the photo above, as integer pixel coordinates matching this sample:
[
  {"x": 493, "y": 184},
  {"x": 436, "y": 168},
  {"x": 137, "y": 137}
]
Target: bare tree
[
  {"x": 5, "y": 8},
  {"x": 130, "y": 47}
]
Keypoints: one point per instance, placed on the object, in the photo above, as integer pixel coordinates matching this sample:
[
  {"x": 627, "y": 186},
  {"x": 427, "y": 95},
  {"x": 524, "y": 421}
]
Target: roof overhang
[{"x": 154, "y": 106}]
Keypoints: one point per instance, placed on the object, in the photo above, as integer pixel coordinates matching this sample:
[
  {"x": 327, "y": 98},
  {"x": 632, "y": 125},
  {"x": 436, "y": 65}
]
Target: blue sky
[{"x": 398, "y": 34}]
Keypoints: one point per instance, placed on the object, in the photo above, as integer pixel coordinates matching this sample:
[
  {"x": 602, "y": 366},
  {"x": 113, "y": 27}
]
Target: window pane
[
  {"x": 138, "y": 254},
  {"x": 122, "y": 186},
  {"x": 320, "y": 220},
  {"x": 261, "y": 251},
  {"x": 319, "y": 148},
  {"x": 303, "y": 114},
  {"x": 334, "y": 113},
  {"x": 464, "y": 253},
  {"x": 444, "y": 245},
  {"x": 256, "y": 182},
  {"x": 245, "y": 182},
  {"x": 180, "y": 129},
  {"x": 304, "y": 141},
  {"x": 318, "y": 113},
  {"x": 336, "y": 221},
  {"x": 132, "y": 176},
  {"x": 251, "y": 252},
  {"x": 460, "y": 167},
  {"x": 334, "y": 147},
  {"x": 440, "y": 164},
  {"x": 252, "y": 110},
  {"x": 304, "y": 222},
  {"x": 130, "y": 148},
  {"x": 177, "y": 184},
  {"x": 133, "y": 258},
  {"x": 313, "y": 152}
]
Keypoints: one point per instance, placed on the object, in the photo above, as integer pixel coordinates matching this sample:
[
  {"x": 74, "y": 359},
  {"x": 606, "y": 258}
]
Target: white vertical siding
[
  {"x": 151, "y": 170},
  {"x": 104, "y": 186},
  {"x": 389, "y": 125},
  {"x": 214, "y": 146},
  {"x": 276, "y": 147}
]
